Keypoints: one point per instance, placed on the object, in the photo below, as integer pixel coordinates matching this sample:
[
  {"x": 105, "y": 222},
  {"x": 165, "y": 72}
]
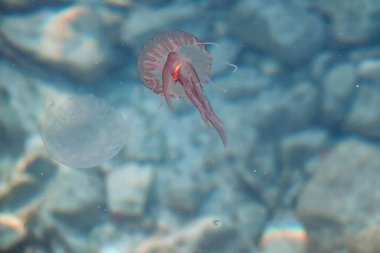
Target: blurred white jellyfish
[{"x": 83, "y": 131}]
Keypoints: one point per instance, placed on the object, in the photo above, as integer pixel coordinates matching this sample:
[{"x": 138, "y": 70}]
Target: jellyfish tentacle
[
  {"x": 212, "y": 118},
  {"x": 191, "y": 94},
  {"x": 194, "y": 91},
  {"x": 167, "y": 71}
]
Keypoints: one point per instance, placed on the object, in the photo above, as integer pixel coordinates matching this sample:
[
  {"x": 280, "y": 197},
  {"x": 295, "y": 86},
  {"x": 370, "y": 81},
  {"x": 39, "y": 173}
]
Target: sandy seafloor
[{"x": 301, "y": 169}]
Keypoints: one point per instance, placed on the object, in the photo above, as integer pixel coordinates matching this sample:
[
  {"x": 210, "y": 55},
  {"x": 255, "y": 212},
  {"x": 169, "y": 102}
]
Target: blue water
[{"x": 295, "y": 84}]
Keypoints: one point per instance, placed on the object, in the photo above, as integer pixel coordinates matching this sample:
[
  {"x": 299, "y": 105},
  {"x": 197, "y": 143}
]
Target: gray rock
[
  {"x": 12, "y": 231},
  {"x": 250, "y": 220},
  {"x": 128, "y": 190},
  {"x": 296, "y": 151},
  {"x": 278, "y": 110},
  {"x": 259, "y": 171},
  {"x": 223, "y": 238},
  {"x": 120, "y": 3},
  {"x": 364, "y": 116},
  {"x": 321, "y": 64},
  {"x": 22, "y": 192},
  {"x": 145, "y": 20},
  {"x": 288, "y": 32},
  {"x": 12, "y": 131},
  {"x": 358, "y": 54},
  {"x": 40, "y": 169},
  {"x": 202, "y": 235},
  {"x": 26, "y": 184},
  {"x": 21, "y": 93},
  {"x": 71, "y": 39},
  {"x": 297, "y": 148},
  {"x": 338, "y": 88},
  {"x": 369, "y": 70},
  {"x": 184, "y": 195},
  {"x": 367, "y": 241},
  {"x": 340, "y": 198},
  {"x": 22, "y": 189},
  {"x": 244, "y": 84},
  {"x": 144, "y": 142},
  {"x": 352, "y": 22},
  {"x": 76, "y": 199},
  {"x": 26, "y": 4}
]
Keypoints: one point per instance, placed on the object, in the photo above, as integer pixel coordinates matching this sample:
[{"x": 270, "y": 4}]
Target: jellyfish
[
  {"x": 83, "y": 132},
  {"x": 176, "y": 64}
]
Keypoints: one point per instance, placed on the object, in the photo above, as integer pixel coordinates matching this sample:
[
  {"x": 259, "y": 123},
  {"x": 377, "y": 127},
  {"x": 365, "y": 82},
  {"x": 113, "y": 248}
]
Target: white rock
[
  {"x": 341, "y": 198},
  {"x": 128, "y": 190},
  {"x": 71, "y": 39},
  {"x": 338, "y": 87},
  {"x": 364, "y": 116}
]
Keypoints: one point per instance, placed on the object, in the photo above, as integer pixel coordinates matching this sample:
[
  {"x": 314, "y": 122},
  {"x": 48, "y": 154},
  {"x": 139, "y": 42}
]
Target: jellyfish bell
[
  {"x": 83, "y": 131},
  {"x": 176, "y": 64}
]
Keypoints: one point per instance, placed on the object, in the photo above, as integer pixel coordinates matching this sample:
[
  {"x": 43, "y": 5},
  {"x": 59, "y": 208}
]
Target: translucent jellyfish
[
  {"x": 176, "y": 64},
  {"x": 83, "y": 132}
]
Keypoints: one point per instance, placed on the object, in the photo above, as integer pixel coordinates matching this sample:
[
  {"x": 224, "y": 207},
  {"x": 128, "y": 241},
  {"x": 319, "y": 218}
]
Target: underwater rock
[
  {"x": 183, "y": 194},
  {"x": 250, "y": 220},
  {"x": 145, "y": 20},
  {"x": 20, "y": 108},
  {"x": 287, "y": 32},
  {"x": 320, "y": 64},
  {"x": 357, "y": 54},
  {"x": 76, "y": 199},
  {"x": 12, "y": 131},
  {"x": 70, "y": 39},
  {"x": 26, "y": 184},
  {"x": 338, "y": 88},
  {"x": 368, "y": 241},
  {"x": 244, "y": 84},
  {"x": 145, "y": 142},
  {"x": 261, "y": 172},
  {"x": 279, "y": 110},
  {"x": 21, "y": 196},
  {"x": 39, "y": 168},
  {"x": 352, "y": 21},
  {"x": 203, "y": 235},
  {"x": 12, "y": 231},
  {"x": 369, "y": 71},
  {"x": 21, "y": 5},
  {"x": 364, "y": 116},
  {"x": 296, "y": 149},
  {"x": 341, "y": 196},
  {"x": 120, "y": 3},
  {"x": 128, "y": 190}
]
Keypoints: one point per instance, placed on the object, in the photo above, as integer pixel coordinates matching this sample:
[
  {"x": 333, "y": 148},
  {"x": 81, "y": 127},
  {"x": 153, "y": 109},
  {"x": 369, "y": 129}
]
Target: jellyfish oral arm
[
  {"x": 192, "y": 86},
  {"x": 167, "y": 76},
  {"x": 192, "y": 96}
]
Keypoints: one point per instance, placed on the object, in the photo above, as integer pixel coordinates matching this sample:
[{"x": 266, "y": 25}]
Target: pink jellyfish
[{"x": 175, "y": 64}]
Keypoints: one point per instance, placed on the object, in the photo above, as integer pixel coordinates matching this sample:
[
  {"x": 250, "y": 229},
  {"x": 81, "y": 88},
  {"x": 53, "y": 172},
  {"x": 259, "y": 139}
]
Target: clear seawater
[{"x": 92, "y": 159}]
